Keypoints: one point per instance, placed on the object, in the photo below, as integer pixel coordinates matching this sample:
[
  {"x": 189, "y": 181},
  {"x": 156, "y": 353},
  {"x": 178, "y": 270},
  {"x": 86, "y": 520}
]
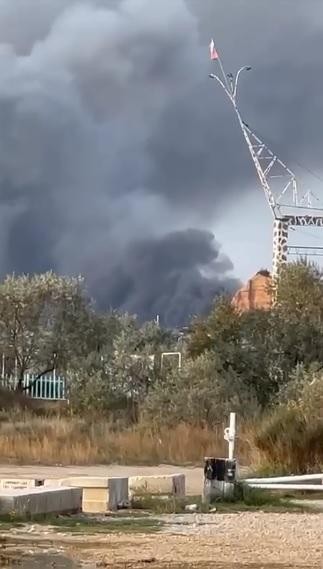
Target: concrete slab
[
  {"x": 34, "y": 501},
  {"x": 20, "y": 483},
  {"x": 194, "y": 476},
  {"x": 100, "y": 494},
  {"x": 171, "y": 485},
  {"x": 80, "y": 482}
]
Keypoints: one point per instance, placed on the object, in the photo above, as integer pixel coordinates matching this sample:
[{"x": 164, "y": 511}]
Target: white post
[
  {"x": 55, "y": 390},
  {"x": 220, "y": 473},
  {"x": 230, "y": 435},
  {"x": 171, "y": 354},
  {"x": 63, "y": 395}
]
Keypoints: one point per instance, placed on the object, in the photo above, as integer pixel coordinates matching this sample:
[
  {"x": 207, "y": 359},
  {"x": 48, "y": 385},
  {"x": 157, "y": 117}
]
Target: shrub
[
  {"x": 202, "y": 393},
  {"x": 289, "y": 442}
]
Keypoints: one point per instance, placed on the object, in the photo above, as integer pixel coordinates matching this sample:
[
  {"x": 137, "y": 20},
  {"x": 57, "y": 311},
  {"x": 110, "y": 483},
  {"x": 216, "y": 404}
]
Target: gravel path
[
  {"x": 263, "y": 540},
  {"x": 254, "y": 540}
]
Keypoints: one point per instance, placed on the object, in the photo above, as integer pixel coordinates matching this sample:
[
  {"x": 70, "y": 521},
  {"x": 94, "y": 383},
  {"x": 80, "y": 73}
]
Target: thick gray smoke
[
  {"x": 165, "y": 275},
  {"x": 116, "y": 154}
]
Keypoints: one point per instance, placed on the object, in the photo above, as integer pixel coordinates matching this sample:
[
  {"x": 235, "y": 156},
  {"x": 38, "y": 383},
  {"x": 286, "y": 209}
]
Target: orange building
[{"x": 255, "y": 294}]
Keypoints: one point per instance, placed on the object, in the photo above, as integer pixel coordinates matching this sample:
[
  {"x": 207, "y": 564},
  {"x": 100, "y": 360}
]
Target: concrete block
[
  {"x": 95, "y": 500},
  {"x": 118, "y": 492},
  {"x": 20, "y": 483},
  {"x": 166, "y": 485},
  {"x": 88, "y": 481},
  {"x": 33, "y": 501},
  {"x": 100, "y": 494},
  {"x": 55, "y": 482}
]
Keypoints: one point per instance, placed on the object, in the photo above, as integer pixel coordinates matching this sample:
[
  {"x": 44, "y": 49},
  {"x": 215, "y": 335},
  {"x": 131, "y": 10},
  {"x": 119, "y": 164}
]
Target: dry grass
[
  {"x": 287, "y": 442},
  {"x": 14, "y": 400},
  {"x": 61, "y": 440}
]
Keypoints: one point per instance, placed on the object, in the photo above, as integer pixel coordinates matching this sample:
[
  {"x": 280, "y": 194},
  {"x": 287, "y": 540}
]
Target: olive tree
[{"x": 45, "y": 320}]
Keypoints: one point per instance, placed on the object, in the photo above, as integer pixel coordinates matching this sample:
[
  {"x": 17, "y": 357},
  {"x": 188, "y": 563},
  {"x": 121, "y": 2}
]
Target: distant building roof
[{"x": 255, "y": 294}]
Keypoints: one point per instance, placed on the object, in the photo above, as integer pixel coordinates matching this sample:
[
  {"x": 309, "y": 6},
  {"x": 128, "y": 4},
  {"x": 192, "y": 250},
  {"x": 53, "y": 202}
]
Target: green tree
[
  {"x": 298, "y": 316},
  {"x": 202, "y": 392},
  {"x": 118, "y": 376},
  {"x": 263, "y": 347},
  {"x": 45, "y": 320},
  {"x": 217, "y": 331},
  {"x": 240, "y": 342}
]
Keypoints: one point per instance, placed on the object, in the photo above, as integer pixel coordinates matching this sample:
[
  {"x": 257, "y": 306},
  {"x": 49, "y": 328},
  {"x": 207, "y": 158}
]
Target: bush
[
  {"x": 202, "y": 393},
  {"x": 290, "y": 442}
]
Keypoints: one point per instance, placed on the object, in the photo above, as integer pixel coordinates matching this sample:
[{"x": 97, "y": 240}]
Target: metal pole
[
  {"x": 54, "y": 381},
  {"x": 224, "y": 74},
  {"x": 230, "y": 435},
  {"x": 232, "y": 97},
  {"x": 169, "y": 354},
  {"x": 302, "y": 478},
  {"x": 288, "y": 487}
]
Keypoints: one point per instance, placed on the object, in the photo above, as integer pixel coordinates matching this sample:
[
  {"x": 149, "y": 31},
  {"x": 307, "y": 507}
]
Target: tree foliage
[
  {"x": 45, "y": 321},
  {"x": 231, "y": 360},
  {"x": 264, "y": 347},
  {"x": 202, "y": 392}
]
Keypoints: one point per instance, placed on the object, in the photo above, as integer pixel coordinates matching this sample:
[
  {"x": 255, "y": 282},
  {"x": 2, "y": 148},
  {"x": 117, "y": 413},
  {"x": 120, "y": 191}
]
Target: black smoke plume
[{"x": 117, "y": 155}]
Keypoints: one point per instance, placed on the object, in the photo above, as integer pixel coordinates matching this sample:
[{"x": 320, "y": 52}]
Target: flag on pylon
[{"x": 213, "y": 53}]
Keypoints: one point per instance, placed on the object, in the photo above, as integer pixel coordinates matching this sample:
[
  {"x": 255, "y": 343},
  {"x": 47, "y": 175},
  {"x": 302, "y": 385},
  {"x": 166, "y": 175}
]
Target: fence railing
[{"x": 48, "y": 387}]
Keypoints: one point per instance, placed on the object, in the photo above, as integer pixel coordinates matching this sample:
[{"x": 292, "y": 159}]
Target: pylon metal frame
[{"x": 272, "y": 170}]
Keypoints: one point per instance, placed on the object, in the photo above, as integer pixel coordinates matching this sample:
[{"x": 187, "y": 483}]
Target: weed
[
  {"x": 85, "y": 524},
  {"x": 109, "y": 525},
  {"x": 255, "y": 499}
]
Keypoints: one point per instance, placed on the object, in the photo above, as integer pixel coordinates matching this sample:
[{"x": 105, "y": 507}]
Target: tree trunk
[{"x": 20, "y": 385}]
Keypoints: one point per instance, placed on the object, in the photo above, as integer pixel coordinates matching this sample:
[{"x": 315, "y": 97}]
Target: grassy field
[
  {"x": 282, "y": 441},
  {"x": 28, "y": 439}
]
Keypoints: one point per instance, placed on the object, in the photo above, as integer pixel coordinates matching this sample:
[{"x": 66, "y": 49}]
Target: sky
[
  {"x": 280, "y": 99},
  {"x": 120, "y": 159}
]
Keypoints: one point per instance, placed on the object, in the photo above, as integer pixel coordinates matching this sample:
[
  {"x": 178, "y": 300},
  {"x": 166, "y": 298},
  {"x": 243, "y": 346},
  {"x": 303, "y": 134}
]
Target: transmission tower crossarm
[
  {"x": 304, "y": 220},
  {"x": 270, "y": 152},
  {"x": 271, "y": 160},
  {"x": 305, "y": 250},
  {"x": 255, "y": 155},
  {"x": 276, "y": 178},
  {"x": 256, "y": 148}
]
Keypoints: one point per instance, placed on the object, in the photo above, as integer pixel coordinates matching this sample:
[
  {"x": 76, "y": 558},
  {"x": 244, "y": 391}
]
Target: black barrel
[{"x": 221, "y": 469}]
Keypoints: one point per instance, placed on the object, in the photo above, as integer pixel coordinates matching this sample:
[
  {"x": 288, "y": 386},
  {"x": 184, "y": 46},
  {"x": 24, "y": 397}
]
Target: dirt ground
[
  {"x": 194, "y": 476},
  {"x": 246, "y": 540},
  {"x": 226, "y": 541}
]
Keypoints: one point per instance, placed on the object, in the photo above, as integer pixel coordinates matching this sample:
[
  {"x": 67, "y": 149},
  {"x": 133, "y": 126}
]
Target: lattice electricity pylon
[
  {"x": 279, "y": 178},
  {"x": 278, "y": 182}
]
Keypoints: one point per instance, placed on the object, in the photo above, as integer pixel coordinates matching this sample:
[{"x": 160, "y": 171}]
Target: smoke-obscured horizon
[{"x": 117, "y": 154}]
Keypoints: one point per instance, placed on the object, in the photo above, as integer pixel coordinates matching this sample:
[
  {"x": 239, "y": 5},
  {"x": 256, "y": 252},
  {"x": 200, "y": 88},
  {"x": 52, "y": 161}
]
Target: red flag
[{"x": 213, "y": 53}]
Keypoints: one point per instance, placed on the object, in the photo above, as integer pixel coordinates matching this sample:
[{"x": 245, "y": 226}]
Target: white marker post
[
  {"x": 230, "y": 435},
  {"x": 220, "y": 473}
]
